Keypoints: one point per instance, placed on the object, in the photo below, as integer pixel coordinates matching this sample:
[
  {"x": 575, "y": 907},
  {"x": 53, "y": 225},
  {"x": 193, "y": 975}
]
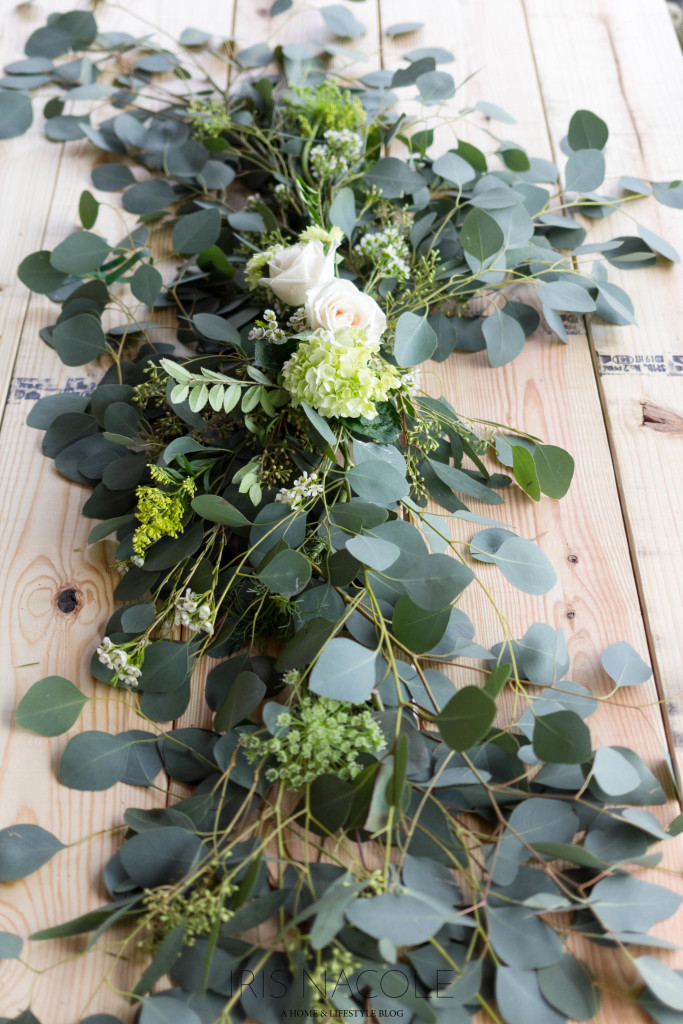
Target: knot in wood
[{"x": 68, "y": 600}]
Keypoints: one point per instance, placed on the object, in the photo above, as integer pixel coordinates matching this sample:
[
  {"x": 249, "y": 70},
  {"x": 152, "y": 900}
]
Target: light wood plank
[
  {"x": 550, "y": 391},
  {"x": 44, "y": 553},
  {"x": 622, "y": 60}
]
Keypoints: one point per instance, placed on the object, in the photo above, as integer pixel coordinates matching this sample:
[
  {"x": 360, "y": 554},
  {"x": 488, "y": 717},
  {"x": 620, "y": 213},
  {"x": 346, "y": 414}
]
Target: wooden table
[{"x": 609, "y": 397}]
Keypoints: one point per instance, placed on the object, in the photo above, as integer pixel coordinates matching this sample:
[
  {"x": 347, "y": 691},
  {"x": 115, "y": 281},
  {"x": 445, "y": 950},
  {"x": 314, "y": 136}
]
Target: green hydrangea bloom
[
  {"x": 339, "y": 374},
  {"x": 317, "y": 736},
  {"x": 325, "y": 108}
]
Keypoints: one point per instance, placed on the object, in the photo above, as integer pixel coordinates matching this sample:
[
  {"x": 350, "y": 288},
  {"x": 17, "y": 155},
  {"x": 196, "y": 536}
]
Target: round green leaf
[
  {"x": 341, "y": 21},
  {"x": 433, "y": 581},
  {"x": 625, "y": 903},
  {"x": 402, "y": 917},
  {"x": 555, "y": 469},
  {"x": 665, "y": 984},
  {"x": 197, "y": 231},
  {"x": 522, "y": 940},
  {"x": 585, "y": 171},
  {"x": 569, "y": 986},
  {"x": 454, "y": 168},
  {"x": 520, "y": 1001},
  {"x": 50, "y": 707},
  {"x": 344, "y": 671},
  {"x": 624, "y": 665},
  {"x": 504, "y": 338},
  {"x": 416, "y": 628},
  {"x": 112, "y": 177},
  {"x": 160, "y": 856},
  {"x": 379, "y": 482},
  {"x": 566, "y": 296},
  {"x": 93, "y": 760},
  {"x": 16, "y": 114},
  {"x": 24, "y": 849},
  {"x": 613, "y": 773},
  {"x": 216, "y": 328},
  {"x": 137, "y": 618},
  {"x": 244, "y": 696},
  {"x": 403, "y": 27},
  {"x": 587, "y": 131},
  {"x": 373, "y": 551},
  {"x": 562, "y": 738},
  {"x": 80, "y": 253},
  {"x": 148, "y": 196},
  {"x": 393, "y": 177},
  {"x": 466, "y": 718},
  {"x": 38, "y": 274},
  {"x": 287, "y": 573},
  {"x": 415, "y": 340},
  {"x": 524, "y": 565},
  {"x": 10, "y": 946},
  {"x": 435, "y": 87},
  {"x": 146, "y": 284},
  {"x": 79, "y": 340},
  {"x": 165, "y": 667},
  {"x": 515, "y": 159},
  {"x": 480, "y": 236}
]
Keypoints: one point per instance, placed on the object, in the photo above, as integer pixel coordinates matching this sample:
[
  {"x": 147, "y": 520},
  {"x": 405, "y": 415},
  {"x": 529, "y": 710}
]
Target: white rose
[
  {"x": 337, "y": 304},
  {"x": 295, "y": 270}
]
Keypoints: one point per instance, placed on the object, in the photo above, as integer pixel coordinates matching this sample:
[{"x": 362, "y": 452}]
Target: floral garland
[{"x": 269, "y": 483}]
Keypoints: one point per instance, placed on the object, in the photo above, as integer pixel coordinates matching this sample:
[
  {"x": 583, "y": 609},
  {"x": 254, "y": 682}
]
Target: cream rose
[
  {"x": 338, "y": 304},
  {"x": 297, "y": 269}
]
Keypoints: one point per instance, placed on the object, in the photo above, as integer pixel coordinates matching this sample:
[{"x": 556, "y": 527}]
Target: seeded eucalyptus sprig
[{"x": 286, "y": 499}]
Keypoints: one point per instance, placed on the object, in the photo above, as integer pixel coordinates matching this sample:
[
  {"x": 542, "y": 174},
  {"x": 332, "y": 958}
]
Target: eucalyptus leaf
[
  {"x": 624, "y": 665},
  {"x": 16, "y": 114},
  {"x": 50, "y": 707},
  {"x": 341, "y": 21},
  {"x": 524, "y": 565},
  {"x": 80, "y": 253},
  {"x": 415, "y": 340},
  {"x": 10, "y": 946},
  {"x": 587, "y": 131},
  {"x": 466, "y": 718},
  {"x": 665, "y": 984},
  {"x": 287, "y": 573},
  {"x": 344, "y": 671},
  {"x": 196, "y": 231},
  {"x": 93, "y": 760},
  {"x": 24, "y": 849},
  {"x": 562, "y": 738}
]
